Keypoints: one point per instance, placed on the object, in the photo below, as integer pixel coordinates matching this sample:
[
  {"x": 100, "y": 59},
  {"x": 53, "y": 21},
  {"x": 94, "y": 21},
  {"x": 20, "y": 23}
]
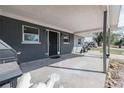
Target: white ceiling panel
[{"x": 70, "y": 18}]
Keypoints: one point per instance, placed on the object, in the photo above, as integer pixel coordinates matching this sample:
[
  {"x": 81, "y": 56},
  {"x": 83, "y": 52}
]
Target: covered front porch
[{"x": 75, "y": 70}]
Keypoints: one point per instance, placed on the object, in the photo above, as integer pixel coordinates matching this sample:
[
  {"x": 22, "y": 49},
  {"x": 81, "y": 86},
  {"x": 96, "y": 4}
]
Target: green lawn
[
  {"x": 113, "y": 51},
  {"x": 113, "y": 46}
]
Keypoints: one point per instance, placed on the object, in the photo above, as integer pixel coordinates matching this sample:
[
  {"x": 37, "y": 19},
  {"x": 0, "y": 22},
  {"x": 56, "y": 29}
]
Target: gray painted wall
[
  {"x": 0, "y": 27},
  {"x": 66, "y": 48},
  {"x": 11, "y": 33}
]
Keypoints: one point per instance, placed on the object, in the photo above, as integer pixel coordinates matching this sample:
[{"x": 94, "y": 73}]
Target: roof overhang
[{"x": 76, "y": 19}]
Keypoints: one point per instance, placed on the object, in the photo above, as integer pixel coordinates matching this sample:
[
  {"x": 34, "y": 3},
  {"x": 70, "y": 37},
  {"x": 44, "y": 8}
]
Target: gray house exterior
[{"x": 11, "y": 32}]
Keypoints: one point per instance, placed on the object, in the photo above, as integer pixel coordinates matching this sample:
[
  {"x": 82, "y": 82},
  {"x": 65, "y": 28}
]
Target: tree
[{"x": 98, "y": 37}]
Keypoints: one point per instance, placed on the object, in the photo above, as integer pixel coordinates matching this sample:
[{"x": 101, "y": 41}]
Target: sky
[
  {"x": 121, "y": 22},
  {"x": 121, "y": 18}
]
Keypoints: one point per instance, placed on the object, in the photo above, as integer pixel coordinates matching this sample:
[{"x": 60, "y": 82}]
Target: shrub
[{"x": 116, "y": 42}]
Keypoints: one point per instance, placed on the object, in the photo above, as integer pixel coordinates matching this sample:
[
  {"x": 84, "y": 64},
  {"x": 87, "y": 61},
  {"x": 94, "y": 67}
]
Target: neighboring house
[
  {"x": 78, "y": 43},
  {"x": 32, "y": 41},
  {"x": 88, "y": 39}
]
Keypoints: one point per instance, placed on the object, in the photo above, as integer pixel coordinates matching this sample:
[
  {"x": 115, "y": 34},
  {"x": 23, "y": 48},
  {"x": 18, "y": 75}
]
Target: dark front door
[{"x": 52, "y": 43}]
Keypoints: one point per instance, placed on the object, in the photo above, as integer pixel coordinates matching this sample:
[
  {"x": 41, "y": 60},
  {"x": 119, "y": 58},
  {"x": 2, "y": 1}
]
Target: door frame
[{"x": 58, "y": 37}]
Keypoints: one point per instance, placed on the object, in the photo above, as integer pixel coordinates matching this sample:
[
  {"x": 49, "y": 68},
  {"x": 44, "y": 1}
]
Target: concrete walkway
[
  {"x": 112, "y": 56},
  {"x": 76, "y": 71},
  {"x": 117, "y": 57}
]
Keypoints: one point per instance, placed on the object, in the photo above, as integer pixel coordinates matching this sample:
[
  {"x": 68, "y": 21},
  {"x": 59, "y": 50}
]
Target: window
[
  {"x": 30, "y": 34},
  {"x": 79, "y": 41},
  {"x": 66, "y": 39}
]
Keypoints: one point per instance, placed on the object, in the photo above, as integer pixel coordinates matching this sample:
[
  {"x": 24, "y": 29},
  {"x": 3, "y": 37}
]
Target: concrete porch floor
[{"x": 76, "y": 71}]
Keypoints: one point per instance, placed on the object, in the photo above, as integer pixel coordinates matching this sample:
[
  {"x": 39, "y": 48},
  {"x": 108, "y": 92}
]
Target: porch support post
[
  {"x": 109, "y": 42},
  {"x": 104, "y": 40}
]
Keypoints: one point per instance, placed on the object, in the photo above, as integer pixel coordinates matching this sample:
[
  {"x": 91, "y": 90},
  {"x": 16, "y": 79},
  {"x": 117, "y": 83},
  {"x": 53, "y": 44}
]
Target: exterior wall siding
[
  {"x": 66, "y": 48},
  {"x": 11, "y": 33},
  {"x": 0, "y": 27}
]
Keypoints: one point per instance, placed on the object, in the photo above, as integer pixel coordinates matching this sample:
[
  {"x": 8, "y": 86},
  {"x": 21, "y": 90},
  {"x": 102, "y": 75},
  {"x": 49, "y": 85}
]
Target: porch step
[{"x": 55, "y": 56}]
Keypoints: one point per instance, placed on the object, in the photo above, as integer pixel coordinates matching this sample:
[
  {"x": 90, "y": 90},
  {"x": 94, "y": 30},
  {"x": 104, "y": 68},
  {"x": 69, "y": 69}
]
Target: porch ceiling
[{"x": 71, "y": 18}]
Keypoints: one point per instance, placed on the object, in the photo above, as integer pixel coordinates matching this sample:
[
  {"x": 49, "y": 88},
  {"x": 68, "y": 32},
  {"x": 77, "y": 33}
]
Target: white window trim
[
  {"x": 30, "y": 42},
  {"x": 66, "y": 42}
]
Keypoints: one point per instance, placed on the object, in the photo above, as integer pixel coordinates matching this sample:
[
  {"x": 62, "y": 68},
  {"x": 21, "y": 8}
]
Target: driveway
[{"x": 76, "y": 71}]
